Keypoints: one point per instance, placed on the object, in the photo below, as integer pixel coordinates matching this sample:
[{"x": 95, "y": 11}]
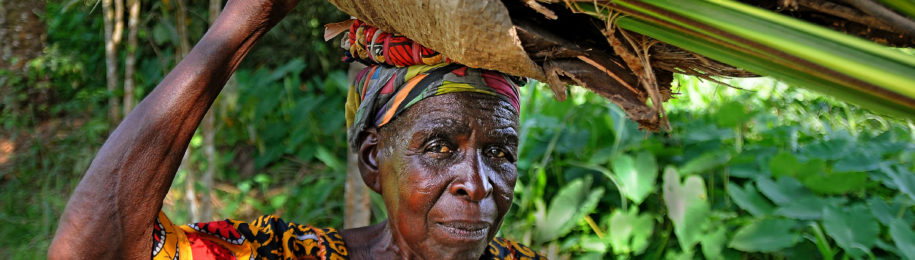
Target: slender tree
[
  {"x": 357, "y": 207},
  {"x": 190, "y": 171},
  {"x": 114, "y": 24},
  {"x": 130, "y": 61},
  {"x": 209, "y": 133}
]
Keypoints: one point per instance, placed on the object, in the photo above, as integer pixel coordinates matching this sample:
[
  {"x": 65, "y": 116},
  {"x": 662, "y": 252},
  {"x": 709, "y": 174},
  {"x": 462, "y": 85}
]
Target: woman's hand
[{"x": 113, "y": 209}]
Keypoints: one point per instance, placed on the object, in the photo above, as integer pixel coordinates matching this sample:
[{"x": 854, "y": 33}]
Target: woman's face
[{"x": 447, "y": 173}]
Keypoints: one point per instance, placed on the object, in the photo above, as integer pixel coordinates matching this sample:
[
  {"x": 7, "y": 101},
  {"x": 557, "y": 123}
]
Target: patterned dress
[{"x": 269, "y": 237}]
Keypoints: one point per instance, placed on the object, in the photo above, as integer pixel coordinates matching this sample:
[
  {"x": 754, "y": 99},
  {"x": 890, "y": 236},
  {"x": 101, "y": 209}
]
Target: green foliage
[
  {"x": 687, "y": 207},
  {"x": 566, "y": 208},
  {"x": 637, "y": 176},
  {"x": 853, "y": 228},
  {"x": 765, "y": 235},
  {"x": 767, "y": 172},
  {"x": 629, "y": 231}
]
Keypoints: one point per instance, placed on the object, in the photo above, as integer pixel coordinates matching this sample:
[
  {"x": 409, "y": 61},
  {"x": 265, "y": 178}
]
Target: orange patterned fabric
[{"x": 269, "y": 237}]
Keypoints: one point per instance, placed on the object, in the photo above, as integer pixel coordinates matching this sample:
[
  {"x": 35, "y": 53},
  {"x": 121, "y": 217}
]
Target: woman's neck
[{"x": 373, "y": 242}]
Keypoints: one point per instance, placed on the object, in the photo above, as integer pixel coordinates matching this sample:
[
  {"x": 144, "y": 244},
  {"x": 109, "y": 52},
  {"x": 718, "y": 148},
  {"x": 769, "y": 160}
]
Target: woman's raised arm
[{"x": 111, "y": 212}]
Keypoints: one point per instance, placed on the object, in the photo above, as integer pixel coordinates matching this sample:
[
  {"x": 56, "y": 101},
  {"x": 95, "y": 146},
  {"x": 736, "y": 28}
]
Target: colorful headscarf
[{"x": 381, "y": 93}]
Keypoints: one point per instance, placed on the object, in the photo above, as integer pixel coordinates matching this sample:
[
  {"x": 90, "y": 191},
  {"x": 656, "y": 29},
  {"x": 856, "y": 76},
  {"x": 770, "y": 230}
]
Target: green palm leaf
[{"x": 761, "y": 41}]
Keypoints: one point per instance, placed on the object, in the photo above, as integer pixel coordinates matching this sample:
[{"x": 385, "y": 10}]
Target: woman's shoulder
[{"x": 502, "y": 248}]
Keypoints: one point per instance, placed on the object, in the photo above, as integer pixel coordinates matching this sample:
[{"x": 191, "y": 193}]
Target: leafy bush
[{"x": 771, "y": 171}]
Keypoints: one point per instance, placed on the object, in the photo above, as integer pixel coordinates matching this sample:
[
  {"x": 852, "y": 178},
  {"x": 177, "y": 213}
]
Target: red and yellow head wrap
[{"x": 393, "y": 83}]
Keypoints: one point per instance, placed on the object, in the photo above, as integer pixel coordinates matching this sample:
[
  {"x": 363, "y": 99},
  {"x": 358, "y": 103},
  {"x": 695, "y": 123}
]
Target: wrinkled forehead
[{"x": 461, "y": 112}]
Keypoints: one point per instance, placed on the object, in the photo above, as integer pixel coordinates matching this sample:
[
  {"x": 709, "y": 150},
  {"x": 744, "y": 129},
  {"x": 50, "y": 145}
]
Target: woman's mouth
[{"x": 464, "y": 231}]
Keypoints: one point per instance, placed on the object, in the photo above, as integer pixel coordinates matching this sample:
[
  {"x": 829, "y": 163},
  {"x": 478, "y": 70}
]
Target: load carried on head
[{"x": 627, "y": 51}]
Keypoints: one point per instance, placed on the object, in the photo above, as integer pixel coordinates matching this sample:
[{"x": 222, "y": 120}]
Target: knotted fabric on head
[{"x": 380, "y": 93}]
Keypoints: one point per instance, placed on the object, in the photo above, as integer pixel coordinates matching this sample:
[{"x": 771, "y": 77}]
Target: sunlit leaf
[
  {"x": 687, "y": 207},
  {"x": 713, "y": 243},
  {"x": 630, "y": 231},
  {"x": 566, "y": 209},
  {"x": 765, "y": 235},
  {"x": 636, "y": 176}
]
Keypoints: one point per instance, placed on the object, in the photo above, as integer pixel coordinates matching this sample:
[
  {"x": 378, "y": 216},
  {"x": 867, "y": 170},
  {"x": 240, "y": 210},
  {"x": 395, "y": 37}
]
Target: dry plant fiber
[{"x": 476, "y": 33}]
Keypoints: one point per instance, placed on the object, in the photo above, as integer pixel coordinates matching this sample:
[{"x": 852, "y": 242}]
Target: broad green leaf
[
  {"x": 636, "y": 176},
  {"x": 687, "y": 207},
  {"x": 569, "y": 205},
  {"x": 784, "y": 191},
  {"x": 803, "y": 208},
  {"x": 561, "y": 209},
  {"x": 833, "y": 149},
  {"x": 903, "y": 179},
  {"x": 784, "y": 164},
  {"x": 858, "y": 161},
  {"x": 903, "y": 237},
  {"x": 745, "y": 165},
  {"x": 592, "y": 243},
  {"x": 836, "y": 183},
  {"x": 815, "y": 175},
  {"x": 674, "y": 255},
  {"x": 853, "y": 228},
  {"x": 881, "y": 210},
  {"x": 765, "y": 235},
  {"x": 713, "y": 243},
  {"x": 705, "y": 163},
  {"x": 629, "y": 231},
  {"x": 748, "y": 199},
  {"x": 732, "y": 114}
]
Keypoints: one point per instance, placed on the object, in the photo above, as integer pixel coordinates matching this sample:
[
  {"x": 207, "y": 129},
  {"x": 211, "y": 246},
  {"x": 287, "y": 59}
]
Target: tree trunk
[
  {"x": 113, "y": 19},
  {"x": 22, "y": 36},
  {"x": 130, "y": 61},
  {"x": 190, "y": 171},
  {"x": 184, "y": 45},
  {"x": 357, "y": 207},
  {"x": 209, "y": 134},
  {"x": 22, "y": 33}
]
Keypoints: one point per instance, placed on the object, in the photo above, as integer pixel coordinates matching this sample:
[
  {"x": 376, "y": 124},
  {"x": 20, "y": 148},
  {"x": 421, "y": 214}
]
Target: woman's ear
[{"x": 368, "y": 160}]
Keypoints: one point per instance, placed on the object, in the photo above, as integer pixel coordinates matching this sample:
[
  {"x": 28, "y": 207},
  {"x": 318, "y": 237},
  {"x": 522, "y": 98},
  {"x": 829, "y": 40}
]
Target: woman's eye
[
  {"x": 439, "y": 148},
  {"x": 496, "y": 152}
]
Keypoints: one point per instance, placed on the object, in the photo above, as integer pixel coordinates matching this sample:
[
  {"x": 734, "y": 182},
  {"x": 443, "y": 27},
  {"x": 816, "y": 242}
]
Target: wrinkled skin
[
  {"x": 445, "y": 168},
  {"x": 446, "y": 171}
]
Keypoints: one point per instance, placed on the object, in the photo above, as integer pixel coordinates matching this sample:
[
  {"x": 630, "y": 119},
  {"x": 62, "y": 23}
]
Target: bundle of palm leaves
[{"x": 628, "y": 50}]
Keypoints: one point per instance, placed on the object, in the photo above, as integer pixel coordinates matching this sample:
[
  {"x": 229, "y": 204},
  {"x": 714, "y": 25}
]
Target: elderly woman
[{"x": 438, "y": 142}]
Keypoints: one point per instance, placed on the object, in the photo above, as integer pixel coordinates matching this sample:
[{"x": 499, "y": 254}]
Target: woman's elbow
[{"x": 58, "y": 249}]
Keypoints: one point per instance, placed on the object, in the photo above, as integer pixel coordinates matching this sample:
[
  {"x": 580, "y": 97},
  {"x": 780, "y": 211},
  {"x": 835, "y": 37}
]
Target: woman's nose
[{"x": 472, "y": 182}]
